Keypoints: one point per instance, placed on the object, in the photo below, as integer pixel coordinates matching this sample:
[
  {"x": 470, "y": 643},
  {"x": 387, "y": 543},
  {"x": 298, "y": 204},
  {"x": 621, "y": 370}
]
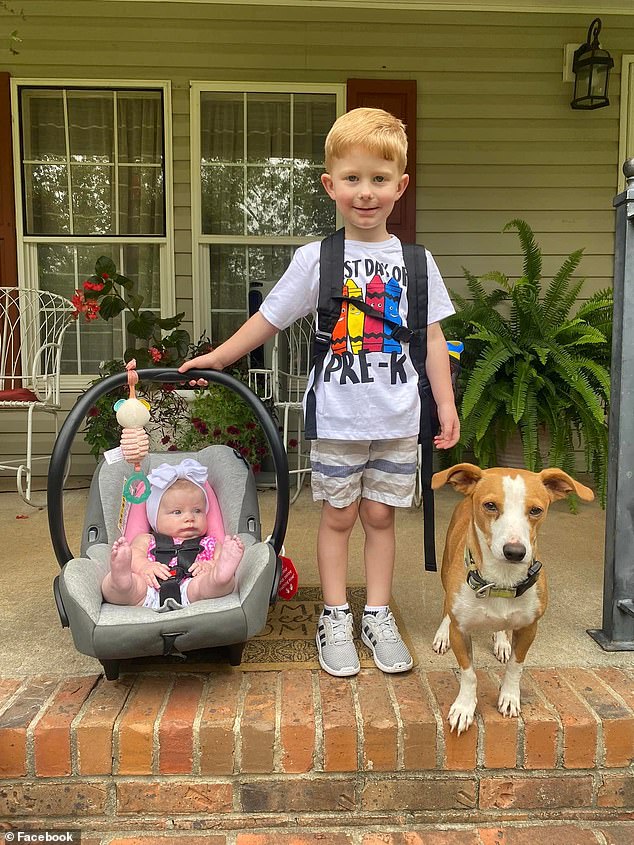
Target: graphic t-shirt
[{"x": 368, "y": 388}]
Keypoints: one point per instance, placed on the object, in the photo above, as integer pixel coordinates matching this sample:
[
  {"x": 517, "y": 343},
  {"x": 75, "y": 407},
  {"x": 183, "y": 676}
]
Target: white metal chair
[
  {"x": 291, "y": 363},
  {"x": 32, "y": 327}
]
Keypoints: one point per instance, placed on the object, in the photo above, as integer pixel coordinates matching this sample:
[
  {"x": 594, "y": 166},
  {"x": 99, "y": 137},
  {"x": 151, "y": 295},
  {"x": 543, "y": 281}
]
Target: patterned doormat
[{"x": 287, "y": 641}]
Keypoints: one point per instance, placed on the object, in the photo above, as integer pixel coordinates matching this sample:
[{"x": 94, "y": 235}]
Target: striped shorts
[{"x": 381, "y": 470}]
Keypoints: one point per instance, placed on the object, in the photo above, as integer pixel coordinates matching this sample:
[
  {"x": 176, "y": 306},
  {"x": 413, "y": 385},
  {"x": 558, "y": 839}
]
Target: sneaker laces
[
  {"x": 340, "y": 627},
  {"x": 386, "y": 627}
]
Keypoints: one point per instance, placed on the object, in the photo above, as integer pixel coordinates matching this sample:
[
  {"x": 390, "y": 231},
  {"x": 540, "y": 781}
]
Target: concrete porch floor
[{"x": 571, "y": 548}]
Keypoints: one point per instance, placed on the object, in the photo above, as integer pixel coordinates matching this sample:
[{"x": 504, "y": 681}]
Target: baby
[{"x": 178, "y": 560}]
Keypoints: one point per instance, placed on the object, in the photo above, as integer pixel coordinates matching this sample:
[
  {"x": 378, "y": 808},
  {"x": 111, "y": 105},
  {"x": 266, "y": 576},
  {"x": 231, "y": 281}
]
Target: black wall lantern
[{"x": 591, "y": 66}]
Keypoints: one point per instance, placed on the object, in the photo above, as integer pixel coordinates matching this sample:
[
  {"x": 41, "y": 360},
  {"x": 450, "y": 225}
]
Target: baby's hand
[
  {"x": 200, "y": 567},
  {"x": 152, "y": 571}
]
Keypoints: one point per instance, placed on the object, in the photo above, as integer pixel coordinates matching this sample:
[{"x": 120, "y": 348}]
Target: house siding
[{"x": 496, "y": 136}]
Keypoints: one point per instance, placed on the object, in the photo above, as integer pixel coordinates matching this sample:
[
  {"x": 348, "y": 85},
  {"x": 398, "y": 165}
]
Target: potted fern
[{"x": 536, "y": 361}]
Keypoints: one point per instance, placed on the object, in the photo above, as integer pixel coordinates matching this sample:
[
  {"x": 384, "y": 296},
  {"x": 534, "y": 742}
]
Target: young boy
[{"x": 367, "y": 403}]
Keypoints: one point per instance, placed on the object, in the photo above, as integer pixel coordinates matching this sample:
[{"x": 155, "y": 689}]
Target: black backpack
[{"x": 328, "y": 312}]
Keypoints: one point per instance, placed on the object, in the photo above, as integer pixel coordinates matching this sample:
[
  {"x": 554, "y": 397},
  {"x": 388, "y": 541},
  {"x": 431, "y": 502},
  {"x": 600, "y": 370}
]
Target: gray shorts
[{"x": 381, "y": 470}]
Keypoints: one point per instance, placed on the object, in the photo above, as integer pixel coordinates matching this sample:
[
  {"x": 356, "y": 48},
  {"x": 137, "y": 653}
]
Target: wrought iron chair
[
  {"x": 291, "y": 363},
  {"x": 32, "y": 327}
]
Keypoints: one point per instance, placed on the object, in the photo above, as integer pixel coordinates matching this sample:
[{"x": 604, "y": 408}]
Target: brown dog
[{"x": 490, "y": 572}]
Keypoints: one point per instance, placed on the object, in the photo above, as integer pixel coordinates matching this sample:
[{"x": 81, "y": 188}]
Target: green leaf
[
  {"x": 105, "y": 265},
  {"x": 168, "y": 323},
  {"x": 111, "y": 306},
  {"x": 126, "y": 283},
  {"x": 143, "y": 325}
]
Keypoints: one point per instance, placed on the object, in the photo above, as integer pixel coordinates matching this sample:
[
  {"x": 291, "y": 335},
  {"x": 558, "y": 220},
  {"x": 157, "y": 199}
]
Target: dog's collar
[{"x": 486, "y": 589}]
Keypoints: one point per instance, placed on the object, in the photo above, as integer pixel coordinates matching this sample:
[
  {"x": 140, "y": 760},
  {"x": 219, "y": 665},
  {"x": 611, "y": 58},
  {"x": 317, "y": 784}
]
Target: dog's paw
[
  {"x": 509, "y": 702},
  {"x": 441, "y": 640},
  {"x": 461, "y": 715},
  {"x": 501, "y": 646}
]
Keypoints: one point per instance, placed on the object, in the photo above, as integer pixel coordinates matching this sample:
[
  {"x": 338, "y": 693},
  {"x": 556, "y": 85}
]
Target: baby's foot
[
  {"x": 230, "y": 557},
  {"x": 121, "y": 564}
]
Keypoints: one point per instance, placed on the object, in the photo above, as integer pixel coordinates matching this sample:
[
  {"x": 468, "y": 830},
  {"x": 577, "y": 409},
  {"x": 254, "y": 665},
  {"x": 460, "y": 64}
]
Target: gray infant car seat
[{"x": 112, "y": 633}]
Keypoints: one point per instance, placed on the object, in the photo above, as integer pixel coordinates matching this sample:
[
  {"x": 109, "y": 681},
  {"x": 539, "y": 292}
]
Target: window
[
  {"x": 257, "y": 154},
  {"x": 94, "y": 181}
]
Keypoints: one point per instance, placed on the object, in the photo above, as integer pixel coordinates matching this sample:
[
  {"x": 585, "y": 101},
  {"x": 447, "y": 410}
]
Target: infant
[{"x": 178, "y": 560}]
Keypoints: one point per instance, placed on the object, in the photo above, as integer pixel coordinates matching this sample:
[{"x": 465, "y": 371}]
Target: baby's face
[{"x": 182, "y": 513}]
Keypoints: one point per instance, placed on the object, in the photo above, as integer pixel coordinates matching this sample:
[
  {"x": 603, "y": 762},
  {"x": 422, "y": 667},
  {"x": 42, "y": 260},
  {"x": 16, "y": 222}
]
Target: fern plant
[{"x": 533, "y": 363}]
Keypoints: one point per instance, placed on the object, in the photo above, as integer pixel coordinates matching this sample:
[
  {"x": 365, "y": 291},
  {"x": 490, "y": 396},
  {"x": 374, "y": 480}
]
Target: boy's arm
[
  {"x": 256, "y": 331},
  {"x": 439, "y": 375}
]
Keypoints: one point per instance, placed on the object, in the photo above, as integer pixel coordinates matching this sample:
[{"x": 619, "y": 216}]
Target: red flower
[
  {"x": 96, "y": 286},
  {"x": 172, "y": 448},
  {"x": 217, "y": 432},
  {"x": 250, "y": 426},
  {"x": 155, "y": 354},
  {"x": 244, "y": 451},
  {"x": 88, "y": 307},
  {"x": 256, "y": 467},
  {"x": 292, "y": 443},
  {"x": 165, "y": 440},
  {"x": 233, "y": 429},
  {"x": 93, "y": 412},
  {"x": 105, "y": 276}
]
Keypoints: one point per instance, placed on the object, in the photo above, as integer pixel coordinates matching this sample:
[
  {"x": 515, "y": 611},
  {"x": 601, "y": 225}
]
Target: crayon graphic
[
  {"x": 339, "y": 341},
  {"x": 392, "y": 298},
  {"x": 355, "y": 319},
  {"x": 373, "y": 326}
]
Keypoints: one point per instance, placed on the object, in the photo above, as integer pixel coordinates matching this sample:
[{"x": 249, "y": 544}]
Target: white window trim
[
  {"x": 26, "y": 275},
  {"x": 201, "y": 283}
]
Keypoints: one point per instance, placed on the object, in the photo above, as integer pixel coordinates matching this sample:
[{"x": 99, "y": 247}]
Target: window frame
[
  {"x": 27, "y": 244},
  {"x": 201, "y": 281}
]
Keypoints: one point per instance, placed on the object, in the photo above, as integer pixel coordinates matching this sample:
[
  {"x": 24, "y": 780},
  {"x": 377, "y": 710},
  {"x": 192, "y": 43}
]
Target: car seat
[{"x": 112, "y": 633}]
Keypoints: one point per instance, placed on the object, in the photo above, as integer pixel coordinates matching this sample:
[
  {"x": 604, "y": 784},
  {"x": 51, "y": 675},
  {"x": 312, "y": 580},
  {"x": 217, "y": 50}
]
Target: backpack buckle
[
  {"x": 322, "y": 338},
  {"x": 402, "y": 333}
]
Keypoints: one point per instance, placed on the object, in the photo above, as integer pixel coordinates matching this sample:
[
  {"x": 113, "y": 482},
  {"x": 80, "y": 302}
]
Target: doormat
[{"x": 287, "y": 641}]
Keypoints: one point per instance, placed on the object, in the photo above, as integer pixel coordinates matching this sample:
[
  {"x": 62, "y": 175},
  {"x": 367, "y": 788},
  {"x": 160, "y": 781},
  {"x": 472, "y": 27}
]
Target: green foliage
[
  {"x": 219, "y": 415},
  {"x": 533, "y": 364}
]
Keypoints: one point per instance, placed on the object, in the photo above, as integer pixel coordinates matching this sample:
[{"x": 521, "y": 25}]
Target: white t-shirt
[{"x": 368, "y": 388}]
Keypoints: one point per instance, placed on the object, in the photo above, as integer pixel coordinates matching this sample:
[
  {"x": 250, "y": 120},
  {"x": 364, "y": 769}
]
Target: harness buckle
[
  {"x": 403, "y": 334},
  {"x": 321, "y": 337}
]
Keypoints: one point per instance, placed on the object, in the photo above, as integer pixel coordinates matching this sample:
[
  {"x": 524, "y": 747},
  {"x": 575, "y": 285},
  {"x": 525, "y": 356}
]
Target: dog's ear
[
  {"x": 559, "y": 484},
  {"x": 462, "y": 477}
]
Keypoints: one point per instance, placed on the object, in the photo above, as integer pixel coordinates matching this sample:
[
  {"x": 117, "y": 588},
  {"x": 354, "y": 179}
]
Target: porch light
[{"x": 591, "y": 67}]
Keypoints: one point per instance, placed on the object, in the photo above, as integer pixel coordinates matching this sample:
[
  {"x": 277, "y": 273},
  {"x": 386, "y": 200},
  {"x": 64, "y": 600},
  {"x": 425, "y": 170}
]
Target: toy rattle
[{"x": 132, "y": 415}]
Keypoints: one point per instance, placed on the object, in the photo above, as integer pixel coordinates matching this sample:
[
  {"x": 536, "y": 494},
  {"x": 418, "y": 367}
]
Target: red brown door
[{"x": 399, "y": 98}]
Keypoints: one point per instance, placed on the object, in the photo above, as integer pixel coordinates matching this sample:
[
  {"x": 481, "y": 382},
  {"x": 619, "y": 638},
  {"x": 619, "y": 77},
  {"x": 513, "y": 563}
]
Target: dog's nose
[{"x": 514, "y": 551}]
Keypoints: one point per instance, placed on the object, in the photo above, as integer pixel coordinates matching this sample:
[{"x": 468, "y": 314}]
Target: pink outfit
[{"x": 206, "y": 553}]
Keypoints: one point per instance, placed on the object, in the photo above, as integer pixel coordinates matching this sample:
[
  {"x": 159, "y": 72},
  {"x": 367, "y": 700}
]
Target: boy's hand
[
  {"x": 449, "y": 427},
  {"x": 209, "y": 361}
]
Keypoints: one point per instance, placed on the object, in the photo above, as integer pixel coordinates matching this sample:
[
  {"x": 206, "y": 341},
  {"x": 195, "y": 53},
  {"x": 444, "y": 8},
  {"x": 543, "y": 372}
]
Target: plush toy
[{"x": 132, "y": 415}]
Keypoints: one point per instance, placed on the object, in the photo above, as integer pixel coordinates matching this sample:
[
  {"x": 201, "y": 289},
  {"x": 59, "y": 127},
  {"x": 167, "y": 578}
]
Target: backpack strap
[
  {"x": 415, "y": 259},
  {"x": 328, "y": 310}
]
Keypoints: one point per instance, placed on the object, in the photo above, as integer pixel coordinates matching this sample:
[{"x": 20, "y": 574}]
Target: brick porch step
[{"x": 232, "y": 752}]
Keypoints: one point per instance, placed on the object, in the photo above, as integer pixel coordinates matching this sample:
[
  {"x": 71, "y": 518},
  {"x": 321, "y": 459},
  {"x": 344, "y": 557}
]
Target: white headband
[{"x": 162, "y": 478}]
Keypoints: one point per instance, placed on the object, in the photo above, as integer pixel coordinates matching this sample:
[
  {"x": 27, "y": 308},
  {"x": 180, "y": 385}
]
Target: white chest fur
[{"x": 494, "y": 614}]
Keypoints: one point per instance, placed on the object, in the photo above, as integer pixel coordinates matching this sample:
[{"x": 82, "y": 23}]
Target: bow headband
[{"x": 162, "y": 478}]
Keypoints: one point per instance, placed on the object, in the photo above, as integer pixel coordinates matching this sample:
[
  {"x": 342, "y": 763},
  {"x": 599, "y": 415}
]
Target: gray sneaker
[
  {"x": 335, "y": 644},
  {"x": 380, "y": 633}
]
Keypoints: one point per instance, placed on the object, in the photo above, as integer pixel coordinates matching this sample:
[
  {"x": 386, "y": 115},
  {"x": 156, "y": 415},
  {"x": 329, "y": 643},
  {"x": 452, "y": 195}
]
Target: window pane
[
  {"x": 43, "y": 134},
  {"x": 221, "y": 127},
  {"x": 313, "y": 210},
  {"x": 227, "y": 265},
  {"x": 142, "y": 264},
  {"x": 141, "y": 201},
  {"x": 93, "y": 200},
  {"x": 313, "y": 115},
  {"x": 91, "y": 125},
  {"x": 140, "y": 127},
  {"x": 222, "y": 200},
  {"x": 223, "y": 325},
  {"x": 46, "y": 199},
  {"x": 268, "y": 201},
  {"x": 269, "y": 125}
]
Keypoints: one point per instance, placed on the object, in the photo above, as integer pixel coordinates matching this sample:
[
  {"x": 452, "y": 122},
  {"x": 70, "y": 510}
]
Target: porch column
[{"x": 617, "y": 633}]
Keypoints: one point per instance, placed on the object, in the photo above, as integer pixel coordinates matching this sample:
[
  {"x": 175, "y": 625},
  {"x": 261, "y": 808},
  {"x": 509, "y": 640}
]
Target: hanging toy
[{"x": 132, "y": 415}]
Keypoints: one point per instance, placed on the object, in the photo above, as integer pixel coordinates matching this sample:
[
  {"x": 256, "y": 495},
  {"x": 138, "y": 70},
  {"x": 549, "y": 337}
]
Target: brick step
[
  {"x": 524, "y": 834},
  {"x": 231, "y": 751}
]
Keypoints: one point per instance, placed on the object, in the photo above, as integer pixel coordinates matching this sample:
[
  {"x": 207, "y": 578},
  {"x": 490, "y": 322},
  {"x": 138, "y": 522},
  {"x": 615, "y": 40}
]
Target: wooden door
[
  {"x": 399, "y": 98},
  {"x": 8, "y": 244}
]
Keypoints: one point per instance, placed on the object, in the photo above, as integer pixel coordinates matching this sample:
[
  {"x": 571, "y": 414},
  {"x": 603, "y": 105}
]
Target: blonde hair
[{"x": 375, "y": 130}]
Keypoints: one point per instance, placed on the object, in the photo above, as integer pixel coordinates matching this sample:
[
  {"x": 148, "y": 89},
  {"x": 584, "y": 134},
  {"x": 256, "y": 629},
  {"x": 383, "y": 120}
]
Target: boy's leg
[
  {"x": 121, "y": 585},
  {"x": 388, "y": 482},
  {"x": 335, "y": 527}
]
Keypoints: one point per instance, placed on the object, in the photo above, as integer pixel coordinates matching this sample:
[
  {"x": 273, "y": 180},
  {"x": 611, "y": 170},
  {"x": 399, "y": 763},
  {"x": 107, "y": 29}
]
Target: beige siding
[{"x": 497, "y": 138}]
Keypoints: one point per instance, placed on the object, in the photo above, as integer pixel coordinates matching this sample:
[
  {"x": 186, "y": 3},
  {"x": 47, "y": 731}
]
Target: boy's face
[
  {"x": 181, "y": 513},
  {"x": 365, "y": 188}
]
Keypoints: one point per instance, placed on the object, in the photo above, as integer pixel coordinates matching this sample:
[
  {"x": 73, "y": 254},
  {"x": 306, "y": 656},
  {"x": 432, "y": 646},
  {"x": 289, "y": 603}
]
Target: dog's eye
[
  {"x": 536, "y": 511},
  {"x": 491, "y": 507}
]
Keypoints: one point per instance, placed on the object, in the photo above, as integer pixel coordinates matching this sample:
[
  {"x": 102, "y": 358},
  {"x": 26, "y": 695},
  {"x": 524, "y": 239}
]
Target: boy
[{"x": 367, "y": 403}]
